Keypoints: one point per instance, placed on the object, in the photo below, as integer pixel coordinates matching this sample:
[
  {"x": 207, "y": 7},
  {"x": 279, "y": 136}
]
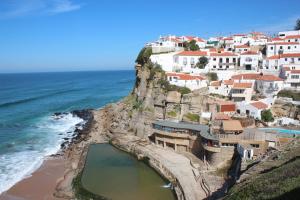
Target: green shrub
[
  {"x": 172, "y": 113},
  {"x": 290, "y": 94},
  {"x": 191, "y": 46},
  {"x": 184, "y": 90},
  {"x": 144, "y": 55},
  {"x": 192, "y": 117},
  {"x": 212, "y": 76},
  {"x": 267, "y": 116},
  {"x": 202, "y": 62}
]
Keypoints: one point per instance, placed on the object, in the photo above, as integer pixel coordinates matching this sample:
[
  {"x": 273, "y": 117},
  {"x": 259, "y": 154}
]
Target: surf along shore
[{"x": 126, "y": 125}]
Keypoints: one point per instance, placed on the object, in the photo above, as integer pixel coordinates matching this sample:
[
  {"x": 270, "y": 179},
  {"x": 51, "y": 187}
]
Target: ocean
[{"x": 28, "y": 130}]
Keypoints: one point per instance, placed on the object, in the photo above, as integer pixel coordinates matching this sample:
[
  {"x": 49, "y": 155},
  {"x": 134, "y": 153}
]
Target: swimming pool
[{"x": 282, "y": 130}]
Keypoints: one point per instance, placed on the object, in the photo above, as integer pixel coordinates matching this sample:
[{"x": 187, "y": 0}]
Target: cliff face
[{"x": 153, "y": 98}]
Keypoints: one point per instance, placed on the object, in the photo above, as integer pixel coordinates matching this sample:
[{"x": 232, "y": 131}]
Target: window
[
  {"x": 227, "y": 66},
  {"x": 220, "y": 60},
  {"x": 289, "y": 47},
  {"x": 298, "y": 59},
  {"x": 295, "y": 76},
  {"x": 227, "y": 60},
  {"x": 254, "y": 145},
  {"x": 271, "y": 48},
  {"x": 215, "y": 66},
  {"x": 184, "y": 60},
  {"x": 289, "y": 40},
  {"x": 214, "y": 59},
  {"x": 296, "y": 40},
  {"x": 176, "y": 59},
  {"x": 192, "y": 61},
  {"x": 286, "y": 59},
  {"x": 234, "y": 60},
  {"x": 280, "y": 47},
  {"x": 276, "y": 67}
]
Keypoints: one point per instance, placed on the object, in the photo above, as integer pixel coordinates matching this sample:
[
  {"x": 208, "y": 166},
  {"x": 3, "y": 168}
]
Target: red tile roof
[
  {"x": 283, "y": 43},
  {"x": 245, "y": 76},
  {"x": 292, "y": 37},
  {"x": 241, "y": 46},
  {"x": 215, "y": 83},
  {"x": 259, "y": 105},
  {"x": 239, "y": 35},
  {"x": 228, "y": 38},
  {"x": 250, "y": 53},
  {"x": 242, "y": 85},
  {"x": 223, "y": 54},
  {"x": 228, "y": 82},
  {"x": 199, "y": 39},
  {"x": 269, "y": 78},
  {"x": 290, "y": 55},
  {"x": 275, "y": 57},
  {"x": 192, "y": 53},
  {"x": 186, "y": 77},
  {"x": 276, "y": 39},
  {"x": 295, "y": 71},
  {"x": 221, "y": 116}
]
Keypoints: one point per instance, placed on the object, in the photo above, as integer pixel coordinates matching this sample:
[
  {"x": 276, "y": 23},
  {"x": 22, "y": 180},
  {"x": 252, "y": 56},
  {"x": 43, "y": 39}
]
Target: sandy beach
[{"x": 41, "y": 184}]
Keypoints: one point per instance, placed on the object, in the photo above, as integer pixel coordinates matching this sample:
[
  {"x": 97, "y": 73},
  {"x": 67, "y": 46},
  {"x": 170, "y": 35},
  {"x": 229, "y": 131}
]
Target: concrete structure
[
  {"x": 252, "y": 109},
  {"x": 241, "y": 92},
  {"x": 250, "y": 60},
  {"x": 276, "y": 48},
  {"x": 186, "y": 61},
  {"x": 269, "y": 85},
  {"x": 222, "y": 61}
]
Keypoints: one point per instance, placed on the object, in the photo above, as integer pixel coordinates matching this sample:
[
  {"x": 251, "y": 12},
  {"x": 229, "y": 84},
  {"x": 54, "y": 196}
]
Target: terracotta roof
[
  {"x": 228, "y": 38},
  {"x": 238, "y": 35},
  {"x": 228, "y": 82},
  {"x": 276, "y": 39},
  {"x": 192, "y": 53},
  {"x": 221, "y": 102},
  {"x": 292, "y": 37},
  {"x": 275, "y": 57},
  {"x": 290, "y": 55},
  {"x": 186, "y": 77},
  {"x": 283, "y": 43},
  {"x": 199, "y": 39},
  {"x": 223, "y": 54},
  {"x": 241, "y": 46},
  {"x": 286, "y": 68},
  {"x": 221, "y": 116},
  {"x": 295, "y": 71},
  {"x": 242, "y": 85},
  {"x": 245, "y": 76},
  {"x": 232, "y": 125},
  {"x": 269, "y": 78},
  {"x": 259, "y": 105},
  {"x": 250, "y": 53},
  {"x": 215, "y": 83}
]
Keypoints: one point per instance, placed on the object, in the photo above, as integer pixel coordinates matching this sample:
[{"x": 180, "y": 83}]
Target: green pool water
[{"x": 117, "y": 175}]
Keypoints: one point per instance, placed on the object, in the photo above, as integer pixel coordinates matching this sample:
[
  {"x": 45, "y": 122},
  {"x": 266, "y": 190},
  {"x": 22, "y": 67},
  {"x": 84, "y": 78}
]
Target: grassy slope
[{"x": 279, "y": 179}]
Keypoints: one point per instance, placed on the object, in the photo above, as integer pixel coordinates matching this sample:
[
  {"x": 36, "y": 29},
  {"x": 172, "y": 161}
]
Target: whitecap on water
[{"x": 43, "y": 140}]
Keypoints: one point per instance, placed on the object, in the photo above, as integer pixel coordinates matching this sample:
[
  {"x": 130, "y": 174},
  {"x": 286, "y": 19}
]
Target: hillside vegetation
[{"x": 277, "y": 177}]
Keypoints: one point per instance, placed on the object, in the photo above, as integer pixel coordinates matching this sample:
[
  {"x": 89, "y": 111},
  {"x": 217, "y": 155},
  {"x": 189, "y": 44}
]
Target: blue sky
[{"x": 68, "y": 35}]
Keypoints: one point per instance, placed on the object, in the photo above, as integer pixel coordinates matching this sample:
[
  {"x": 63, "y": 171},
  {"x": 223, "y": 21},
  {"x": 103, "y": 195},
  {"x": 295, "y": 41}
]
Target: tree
[
  {"x": 212, "y": 76},
  {"x": 297, "y": 27},
  {"x": 191, "y": 46},
  {"x": 144, "y": 55},
  {"x": 202, "y": 62},
  {"x": 267, "y": 116}
]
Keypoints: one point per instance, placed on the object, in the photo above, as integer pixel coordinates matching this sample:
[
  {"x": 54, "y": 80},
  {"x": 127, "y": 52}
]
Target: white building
[
  {"x": 222, "y": 88},
  {"x": 251, "y": 109},
  {"x": 250, "y": 60},
  {"x": 186, "y": 61},
  {"x": 269, "y": 85},
  {"x": 222, "y": 60},
  {"x": 283, "y": 34},
  {"x": 292, "y": 80},
  {"x": 275, "y": 48},
  {"x": 292, "y": 38},
  {"x": 241, "y": 48},
  {"x": 166, "y": 60},
  {"x": 273, "y": 63},
  {"x": 241, "y": 92},
  {"x": 192, "y": 82},
  {"x": 167, "y": 44}
]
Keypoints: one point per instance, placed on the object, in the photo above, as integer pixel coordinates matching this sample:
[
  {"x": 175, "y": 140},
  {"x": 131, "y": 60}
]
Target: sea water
[{"x": 28, "y": 130}]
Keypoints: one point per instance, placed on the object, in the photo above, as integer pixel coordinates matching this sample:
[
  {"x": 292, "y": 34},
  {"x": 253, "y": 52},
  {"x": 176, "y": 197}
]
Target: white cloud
[{"x": 20, "y": 8}]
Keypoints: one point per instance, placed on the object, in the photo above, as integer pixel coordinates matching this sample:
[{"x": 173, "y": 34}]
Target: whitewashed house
[
  {"x": 276, "y": 48},
  {"x": 241, "y": 92},
  {"x": 251, "y": 109},
  {"x": 167, "y": 44},
  {"x": 250, "y": 60},
  {"x": 165, "y": 60},
  {"x": 192, "y": 82},
  {"x": 273, "y": 63},
  {"x": 269, "y": 85},
  {"x": 222, "y": 88},
  {"x": 186, "y": 61},
  {"x": 292, "y": 81},
  {"x": 222, "y": 61},
  {"x": 292, "y": 38},
  {"x": 283, "y": 34},
  {"x": 241, "y": 48}
]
